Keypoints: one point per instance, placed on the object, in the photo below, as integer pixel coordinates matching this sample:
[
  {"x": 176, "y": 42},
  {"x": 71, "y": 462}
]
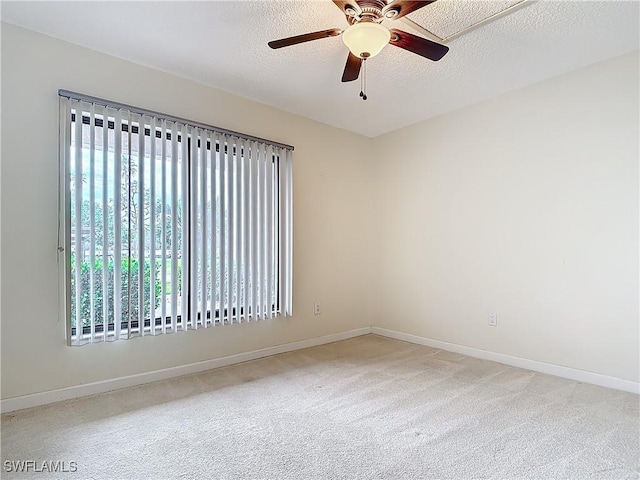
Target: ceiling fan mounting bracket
[
  {"x": 372, "y": 5},
  {"x": 368, "y": 11}
]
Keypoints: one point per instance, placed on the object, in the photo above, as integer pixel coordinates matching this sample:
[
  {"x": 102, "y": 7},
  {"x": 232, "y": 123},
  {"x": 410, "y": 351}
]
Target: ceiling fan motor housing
[{"x": 369, "y": 11}]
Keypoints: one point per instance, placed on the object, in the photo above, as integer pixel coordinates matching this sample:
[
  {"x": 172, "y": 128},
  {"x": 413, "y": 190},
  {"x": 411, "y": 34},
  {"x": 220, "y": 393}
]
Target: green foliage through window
[{"x": 99, "y": 292}]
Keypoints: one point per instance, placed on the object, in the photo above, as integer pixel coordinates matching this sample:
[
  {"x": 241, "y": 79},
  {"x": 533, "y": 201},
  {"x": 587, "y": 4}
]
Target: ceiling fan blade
[
  {"x": 404, "y": 7},
  {"x": 418, "y": 45},
  {"x": 352, "y": 68},
  {"x": 307, "y": 37}
]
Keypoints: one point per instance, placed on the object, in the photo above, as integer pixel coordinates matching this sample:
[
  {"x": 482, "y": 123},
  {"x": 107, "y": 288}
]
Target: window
[{"x": 169, "y": 225}]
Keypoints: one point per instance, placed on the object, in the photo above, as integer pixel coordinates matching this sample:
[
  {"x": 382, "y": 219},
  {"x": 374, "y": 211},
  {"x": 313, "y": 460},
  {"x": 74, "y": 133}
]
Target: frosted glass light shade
[{"x": 365, "y": 39}]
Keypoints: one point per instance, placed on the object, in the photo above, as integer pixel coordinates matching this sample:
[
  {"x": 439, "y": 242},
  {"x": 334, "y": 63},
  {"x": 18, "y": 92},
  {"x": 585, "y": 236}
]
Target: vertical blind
[{"x": 169, "y": 225}]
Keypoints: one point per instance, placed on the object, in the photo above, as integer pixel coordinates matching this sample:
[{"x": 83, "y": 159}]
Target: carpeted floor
[{"x": 365, "y": 408}]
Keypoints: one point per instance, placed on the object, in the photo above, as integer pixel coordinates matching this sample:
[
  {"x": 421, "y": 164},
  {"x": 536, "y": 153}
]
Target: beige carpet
[{"x": 365, "y": 408}]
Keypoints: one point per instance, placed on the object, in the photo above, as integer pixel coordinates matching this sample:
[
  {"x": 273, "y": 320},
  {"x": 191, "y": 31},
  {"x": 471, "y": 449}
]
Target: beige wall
[
  {"x": 329, "y": 230},
  {"x": 527, "y": 206}
]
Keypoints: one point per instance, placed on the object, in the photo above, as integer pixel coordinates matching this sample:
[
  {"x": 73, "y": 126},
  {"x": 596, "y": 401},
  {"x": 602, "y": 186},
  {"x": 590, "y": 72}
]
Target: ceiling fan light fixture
[{"x": 366, "y": 39}]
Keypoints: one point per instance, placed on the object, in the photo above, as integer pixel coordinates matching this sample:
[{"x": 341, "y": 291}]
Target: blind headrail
[{"x": 164, "y": 116}]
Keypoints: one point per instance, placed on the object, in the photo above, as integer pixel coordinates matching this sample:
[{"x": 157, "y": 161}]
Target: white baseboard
[
  {"x": 51, "y": 396},
  {"x": 536, "y": 366}
]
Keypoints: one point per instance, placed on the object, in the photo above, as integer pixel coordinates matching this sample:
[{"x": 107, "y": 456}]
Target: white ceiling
[{"x": 224, "y": 45}]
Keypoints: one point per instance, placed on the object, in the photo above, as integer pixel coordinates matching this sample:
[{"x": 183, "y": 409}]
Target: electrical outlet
[
  {"x": 316, "y": 308},
  {"x": 493, "y": 319}
]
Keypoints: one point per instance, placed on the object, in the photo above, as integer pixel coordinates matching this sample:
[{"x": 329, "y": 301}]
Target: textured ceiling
[
  {"x": 446, "y": 18},
  {"x": 224, "y": 44}
]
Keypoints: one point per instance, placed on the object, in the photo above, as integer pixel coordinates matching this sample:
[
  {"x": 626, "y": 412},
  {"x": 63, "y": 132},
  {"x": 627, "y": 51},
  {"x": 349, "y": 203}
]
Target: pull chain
[{"x": 363, "y": 80}]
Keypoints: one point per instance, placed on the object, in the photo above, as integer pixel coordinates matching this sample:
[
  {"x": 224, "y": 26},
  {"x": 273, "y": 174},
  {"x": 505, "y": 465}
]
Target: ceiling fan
[{"x": 365, "y": 37}]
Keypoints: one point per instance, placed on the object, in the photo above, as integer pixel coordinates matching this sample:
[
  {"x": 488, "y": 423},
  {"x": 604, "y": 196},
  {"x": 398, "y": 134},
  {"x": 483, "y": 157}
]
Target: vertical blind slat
[
  {"x": 184, "y": 226},
  {"x": 257, "y": 228},
  {"x": 140, "y": 244},
  {"x": 152, "y": 226},
  {"x": 92, "y": 220},
  {"x": 246, "y": 229},
  {"x": 238, "y": 228},
  {"x": 255, "y": 222},
  {"x": 252, "y": 178},
  {"x": 239, "y": 231},
  {"x": 269, "y": 230},
  {"x": 231, "y": 226},
  {"x": 174, "y": 228},
  {"x": 128, "y": 202},
  {"x": 242, "y": 243},
  {"x": 105, "y": 222},
  {"x": 78, "y": 215},
  {"x": 163, "y": 267},
  {"x": 194, "y": 230},
  {"x": 263, "y": 231},
  {"x": 279, "y": 308},
  {"x": 288, "y": 197},
  {"x": 117, "y": 249},
  {"x": 224, "y": 145},
  {"x": 203, "y": 227},
  {"x": 214, "y": 305}
]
